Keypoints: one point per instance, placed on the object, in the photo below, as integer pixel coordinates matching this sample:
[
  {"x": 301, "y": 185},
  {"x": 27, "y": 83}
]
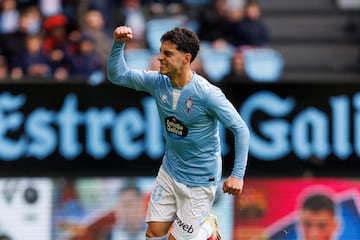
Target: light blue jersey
[{"x": 189, "y": 118}]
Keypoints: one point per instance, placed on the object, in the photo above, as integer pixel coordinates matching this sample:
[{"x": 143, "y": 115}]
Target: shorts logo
[
  {"x": 185, "y": 227},
  {"x": 175, "y": 128}
]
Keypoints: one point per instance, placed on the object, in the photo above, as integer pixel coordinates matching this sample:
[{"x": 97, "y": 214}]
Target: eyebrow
[{"x": 167, "y": 52}]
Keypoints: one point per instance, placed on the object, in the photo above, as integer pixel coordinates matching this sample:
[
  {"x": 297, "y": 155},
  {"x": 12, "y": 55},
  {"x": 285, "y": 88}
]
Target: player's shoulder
[
  {"x": 207, "y": 92},
  {"x": 205, "y": 85},
  {"x": 155, "y": 78}
]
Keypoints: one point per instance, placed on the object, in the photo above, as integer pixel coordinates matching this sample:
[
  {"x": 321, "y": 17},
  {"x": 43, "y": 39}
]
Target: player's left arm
[{"x": 231, "y": 119}]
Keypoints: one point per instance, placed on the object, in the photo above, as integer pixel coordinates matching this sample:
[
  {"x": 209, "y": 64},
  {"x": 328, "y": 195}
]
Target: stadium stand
[{"x": 317, "y": 39}]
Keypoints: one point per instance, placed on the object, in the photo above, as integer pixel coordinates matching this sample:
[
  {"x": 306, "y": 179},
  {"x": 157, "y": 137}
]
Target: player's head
[
  {"x": 184, "y": 39},
  {"x": 317, "y": 218}
]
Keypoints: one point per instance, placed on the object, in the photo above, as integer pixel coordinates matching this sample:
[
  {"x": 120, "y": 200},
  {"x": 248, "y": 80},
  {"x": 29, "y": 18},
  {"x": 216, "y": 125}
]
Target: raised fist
[{"x": 122, "y": 34}]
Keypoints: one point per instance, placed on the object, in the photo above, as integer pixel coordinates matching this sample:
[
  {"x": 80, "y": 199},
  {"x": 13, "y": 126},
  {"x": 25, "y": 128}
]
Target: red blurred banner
[{"x": 269, "y": 207}]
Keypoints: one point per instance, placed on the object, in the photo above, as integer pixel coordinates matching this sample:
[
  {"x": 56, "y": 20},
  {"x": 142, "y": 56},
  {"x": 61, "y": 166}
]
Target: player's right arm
[{"x": 117, "y": 70}]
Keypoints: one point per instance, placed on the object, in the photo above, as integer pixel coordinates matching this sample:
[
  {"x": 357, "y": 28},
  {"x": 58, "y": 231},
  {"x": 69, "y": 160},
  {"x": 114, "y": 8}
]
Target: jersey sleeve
[
  {"x": 120, "y": 74},
  {"x": 226, "y": 113}
]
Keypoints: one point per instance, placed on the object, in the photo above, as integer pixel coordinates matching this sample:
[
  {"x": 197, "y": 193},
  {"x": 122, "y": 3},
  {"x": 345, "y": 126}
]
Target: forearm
[
  {"x": 242, "y": 142},
  {"x": 116, "y": 65}
]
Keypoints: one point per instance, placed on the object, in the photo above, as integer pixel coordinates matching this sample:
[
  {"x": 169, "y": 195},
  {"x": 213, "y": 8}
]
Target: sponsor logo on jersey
[{"x": 175, "y": 128}]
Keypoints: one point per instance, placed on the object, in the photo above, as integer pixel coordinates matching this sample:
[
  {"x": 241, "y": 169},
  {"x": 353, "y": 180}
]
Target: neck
[{"x": 180, "y": 81}]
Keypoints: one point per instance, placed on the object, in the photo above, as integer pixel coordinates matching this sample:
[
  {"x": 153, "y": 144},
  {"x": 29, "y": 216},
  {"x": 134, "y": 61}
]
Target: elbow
[
  {"x": 115, "y": 76},
  {"x": 110, "y": 75},
  {"x": 246, "y": 132},
  {"x": 111, "y": 72}
]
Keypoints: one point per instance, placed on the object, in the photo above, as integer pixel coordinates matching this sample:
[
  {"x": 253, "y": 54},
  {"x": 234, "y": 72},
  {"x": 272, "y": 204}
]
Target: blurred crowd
[{"x": 65, "y": 40}]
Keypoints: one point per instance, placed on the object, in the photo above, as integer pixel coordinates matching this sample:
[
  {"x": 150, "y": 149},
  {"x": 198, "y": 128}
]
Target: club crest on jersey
[
  {"x": 175, "y": 128},
  {"x": 189, "y": 103}
]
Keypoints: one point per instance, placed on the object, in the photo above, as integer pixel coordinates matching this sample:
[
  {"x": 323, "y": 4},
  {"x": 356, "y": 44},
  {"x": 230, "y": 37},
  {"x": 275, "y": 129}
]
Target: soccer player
[{"x": 189, "y": 108}]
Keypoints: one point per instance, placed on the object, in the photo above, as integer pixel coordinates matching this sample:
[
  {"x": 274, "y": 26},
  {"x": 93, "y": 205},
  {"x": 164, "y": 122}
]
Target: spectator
[
  {"x": 9, "y": 16},
  {"x": 32, "y": 61},
  {"x": 56, "y": 34},
  {"x": 32, "y": 20},
  {"x": 93, "y": 26},
  {"x": 251, "y": 30},
  {"x": 58, "y": 44},
  {"x": 237, "y": 73},
  {"x": 216, "y": 26},
  {"x": 131, "y": 13},
  {"x": 84, "y": 62},
  {"x": 69, "y": 8},
  {"x": 106, "y": 7},
  {"x": 12, "y": 44}
]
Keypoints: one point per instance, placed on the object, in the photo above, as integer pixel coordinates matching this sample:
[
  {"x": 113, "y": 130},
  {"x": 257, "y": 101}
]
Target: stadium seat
[
  {"x": 193, "y": 25},
  {"x": 155, "y": 28},
  {"x": 138, "y": 58},
  {"x": 216, "y": 62},
  {"x": 263, "y": 64}
]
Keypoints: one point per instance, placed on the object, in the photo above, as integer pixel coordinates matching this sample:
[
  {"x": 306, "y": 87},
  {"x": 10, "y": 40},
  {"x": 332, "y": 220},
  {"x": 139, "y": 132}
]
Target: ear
[{"x": 187, "y": 58}]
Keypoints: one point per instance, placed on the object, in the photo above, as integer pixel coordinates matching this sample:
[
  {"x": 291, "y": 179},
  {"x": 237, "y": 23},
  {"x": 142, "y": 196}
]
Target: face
[
  {"x": 318, "y": 225},
  {"x": 172, "y": 61},
  {"x": 253, "y": 12},
  {"x": 131, "y": 210},
  {"x": 33, "y": 44},
  {"x": 94, "y": 19}
]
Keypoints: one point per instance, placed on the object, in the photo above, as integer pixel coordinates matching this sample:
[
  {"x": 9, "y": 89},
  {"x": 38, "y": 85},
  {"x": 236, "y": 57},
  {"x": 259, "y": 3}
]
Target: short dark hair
[
  {"x": 185, "y": 40},
  {"x": 319, "y": 202}
]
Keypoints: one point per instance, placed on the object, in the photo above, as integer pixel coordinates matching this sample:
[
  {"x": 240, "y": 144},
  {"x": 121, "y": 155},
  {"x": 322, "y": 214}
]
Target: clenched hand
[
  {"x": 233, "y": 185},
  {"x": 123, "y": 34}
]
